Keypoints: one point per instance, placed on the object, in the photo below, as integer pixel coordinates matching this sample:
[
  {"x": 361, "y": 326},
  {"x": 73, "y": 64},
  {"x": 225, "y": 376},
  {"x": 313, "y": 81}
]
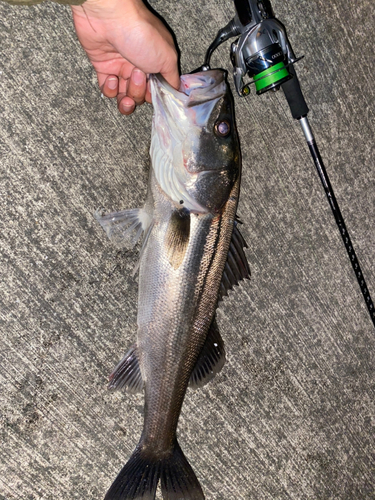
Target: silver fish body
[{"x": 189, "y": 225}]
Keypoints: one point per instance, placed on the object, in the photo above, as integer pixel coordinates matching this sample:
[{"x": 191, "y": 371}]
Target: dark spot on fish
[
  {"x": 181, "y": 202},
  {"x": 177, "y": 236}
]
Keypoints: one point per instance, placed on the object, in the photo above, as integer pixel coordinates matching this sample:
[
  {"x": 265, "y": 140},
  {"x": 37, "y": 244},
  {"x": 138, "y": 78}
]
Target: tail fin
[{"x": 139, "y": 478}]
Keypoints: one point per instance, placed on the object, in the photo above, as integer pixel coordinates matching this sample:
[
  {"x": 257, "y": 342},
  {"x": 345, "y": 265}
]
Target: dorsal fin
[
  {"x": 236, "y": 267},
  {"x": 211, "y": 358}
]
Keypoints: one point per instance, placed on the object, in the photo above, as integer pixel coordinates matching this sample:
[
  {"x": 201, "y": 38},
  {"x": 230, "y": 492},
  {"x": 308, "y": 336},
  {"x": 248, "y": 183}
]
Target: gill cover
[{"x": 194, "y": 146}]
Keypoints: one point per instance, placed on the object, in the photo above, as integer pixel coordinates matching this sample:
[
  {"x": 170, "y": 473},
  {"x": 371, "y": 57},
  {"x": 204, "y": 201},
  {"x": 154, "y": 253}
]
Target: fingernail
[
  {"x": 112, "y": 83},
  {"x": 138, "y": 77},
  {"x": 126, "y": 108}
]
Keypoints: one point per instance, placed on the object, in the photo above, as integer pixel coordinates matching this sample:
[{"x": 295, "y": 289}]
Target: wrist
[{"x": 109, "y": 9}]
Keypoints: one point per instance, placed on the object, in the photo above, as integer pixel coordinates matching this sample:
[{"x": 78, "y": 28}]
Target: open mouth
[
  {"x": 193, "y": 103},
  {"x": 195, "y": 88}
]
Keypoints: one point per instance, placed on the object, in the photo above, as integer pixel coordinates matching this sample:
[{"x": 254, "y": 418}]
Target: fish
[{"x": 192, "y": 254}]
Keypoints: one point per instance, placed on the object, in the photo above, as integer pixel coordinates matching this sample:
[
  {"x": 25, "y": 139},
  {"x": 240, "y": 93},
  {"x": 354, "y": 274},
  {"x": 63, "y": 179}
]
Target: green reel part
[{"x": 271, "y": 77}]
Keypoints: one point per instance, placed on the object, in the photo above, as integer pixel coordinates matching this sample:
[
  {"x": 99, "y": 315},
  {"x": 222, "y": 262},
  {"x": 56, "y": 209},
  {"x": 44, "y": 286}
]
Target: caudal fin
[{"x": 139, "y": 478}]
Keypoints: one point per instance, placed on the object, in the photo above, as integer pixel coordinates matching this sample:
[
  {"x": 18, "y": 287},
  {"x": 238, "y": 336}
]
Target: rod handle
[{"x": 294, "y": 96}]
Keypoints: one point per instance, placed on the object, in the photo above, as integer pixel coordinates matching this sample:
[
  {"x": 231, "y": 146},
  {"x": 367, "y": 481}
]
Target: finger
[
  {"x": 137, "y": 86},
  {"x": 123, "y": 86},
  {"x": 110, "y": 86},
  {"x": 126, "y": 104},
  {"x": 171, "y": 74}
]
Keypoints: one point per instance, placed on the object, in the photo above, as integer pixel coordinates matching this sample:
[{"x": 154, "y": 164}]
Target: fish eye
[{"x": 222, "y": 128}]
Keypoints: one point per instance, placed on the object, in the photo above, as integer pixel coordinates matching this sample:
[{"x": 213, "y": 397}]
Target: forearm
[{"x": 33, "y": 2}]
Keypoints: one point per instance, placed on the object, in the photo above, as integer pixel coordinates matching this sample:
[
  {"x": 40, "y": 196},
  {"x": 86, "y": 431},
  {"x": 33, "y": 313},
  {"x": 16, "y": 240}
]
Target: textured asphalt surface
[{"x": 292, "y": 414}]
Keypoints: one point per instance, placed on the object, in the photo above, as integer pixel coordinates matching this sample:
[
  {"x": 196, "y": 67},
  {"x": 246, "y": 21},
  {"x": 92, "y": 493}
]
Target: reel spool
[{"x": 268, "y": 69}]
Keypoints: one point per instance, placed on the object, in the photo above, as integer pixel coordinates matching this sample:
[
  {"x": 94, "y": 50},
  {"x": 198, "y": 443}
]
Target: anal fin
[
  {"x": 211, "y": 359},
  {"x": 127, "y": 374}
]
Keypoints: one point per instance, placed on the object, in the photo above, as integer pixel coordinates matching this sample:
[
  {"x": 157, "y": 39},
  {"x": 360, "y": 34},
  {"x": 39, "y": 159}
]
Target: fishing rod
[{"x": 263, "y": 52}]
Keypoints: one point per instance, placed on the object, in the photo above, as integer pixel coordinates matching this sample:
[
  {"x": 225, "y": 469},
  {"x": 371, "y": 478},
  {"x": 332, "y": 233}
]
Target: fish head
[{"x": 195, "y": 149}]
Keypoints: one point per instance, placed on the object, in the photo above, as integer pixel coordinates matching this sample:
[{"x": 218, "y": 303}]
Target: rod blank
[{"x": 337, "y": 214}]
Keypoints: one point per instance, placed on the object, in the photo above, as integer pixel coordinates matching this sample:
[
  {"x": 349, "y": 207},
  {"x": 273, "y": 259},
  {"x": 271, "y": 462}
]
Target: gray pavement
[{"x": 291, "y": 416}]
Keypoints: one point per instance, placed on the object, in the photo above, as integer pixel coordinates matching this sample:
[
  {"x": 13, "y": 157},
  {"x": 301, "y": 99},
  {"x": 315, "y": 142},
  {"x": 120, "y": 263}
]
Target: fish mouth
[
  {"x": 193, "y": 102},
  {"x": 195, "y": 88}
]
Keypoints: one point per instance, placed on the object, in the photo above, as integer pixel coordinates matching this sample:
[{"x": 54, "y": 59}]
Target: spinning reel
[{"x": 262, "y": 52}]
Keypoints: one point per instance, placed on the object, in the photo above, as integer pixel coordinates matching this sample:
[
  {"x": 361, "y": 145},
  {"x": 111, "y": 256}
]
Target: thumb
[{"x": 171, "y": 74}]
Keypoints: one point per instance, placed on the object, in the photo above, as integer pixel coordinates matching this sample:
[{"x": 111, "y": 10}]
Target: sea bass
[{"x": 192, "y": 254}]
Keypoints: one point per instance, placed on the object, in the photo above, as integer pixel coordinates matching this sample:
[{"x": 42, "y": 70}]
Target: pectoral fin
[
  {"x": 125, "y": 228},
  {"x": 211, "y": 359},
  {"x": 177, "y": 236}
]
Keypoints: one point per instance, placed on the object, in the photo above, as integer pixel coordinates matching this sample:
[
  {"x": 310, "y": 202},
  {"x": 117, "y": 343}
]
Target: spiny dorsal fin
[
  {"x": 211, "y": 359},
  {"x": 236, "y": 267},
  {"x": 177, "y": 236},
  {"x": 127, "y": 374}
]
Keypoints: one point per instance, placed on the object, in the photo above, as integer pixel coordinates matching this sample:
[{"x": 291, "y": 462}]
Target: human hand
[{"x": 125, "y": 42}]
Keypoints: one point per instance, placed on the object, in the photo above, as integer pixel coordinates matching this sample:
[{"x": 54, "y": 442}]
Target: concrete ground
[{"x": 292, "y": 415}]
